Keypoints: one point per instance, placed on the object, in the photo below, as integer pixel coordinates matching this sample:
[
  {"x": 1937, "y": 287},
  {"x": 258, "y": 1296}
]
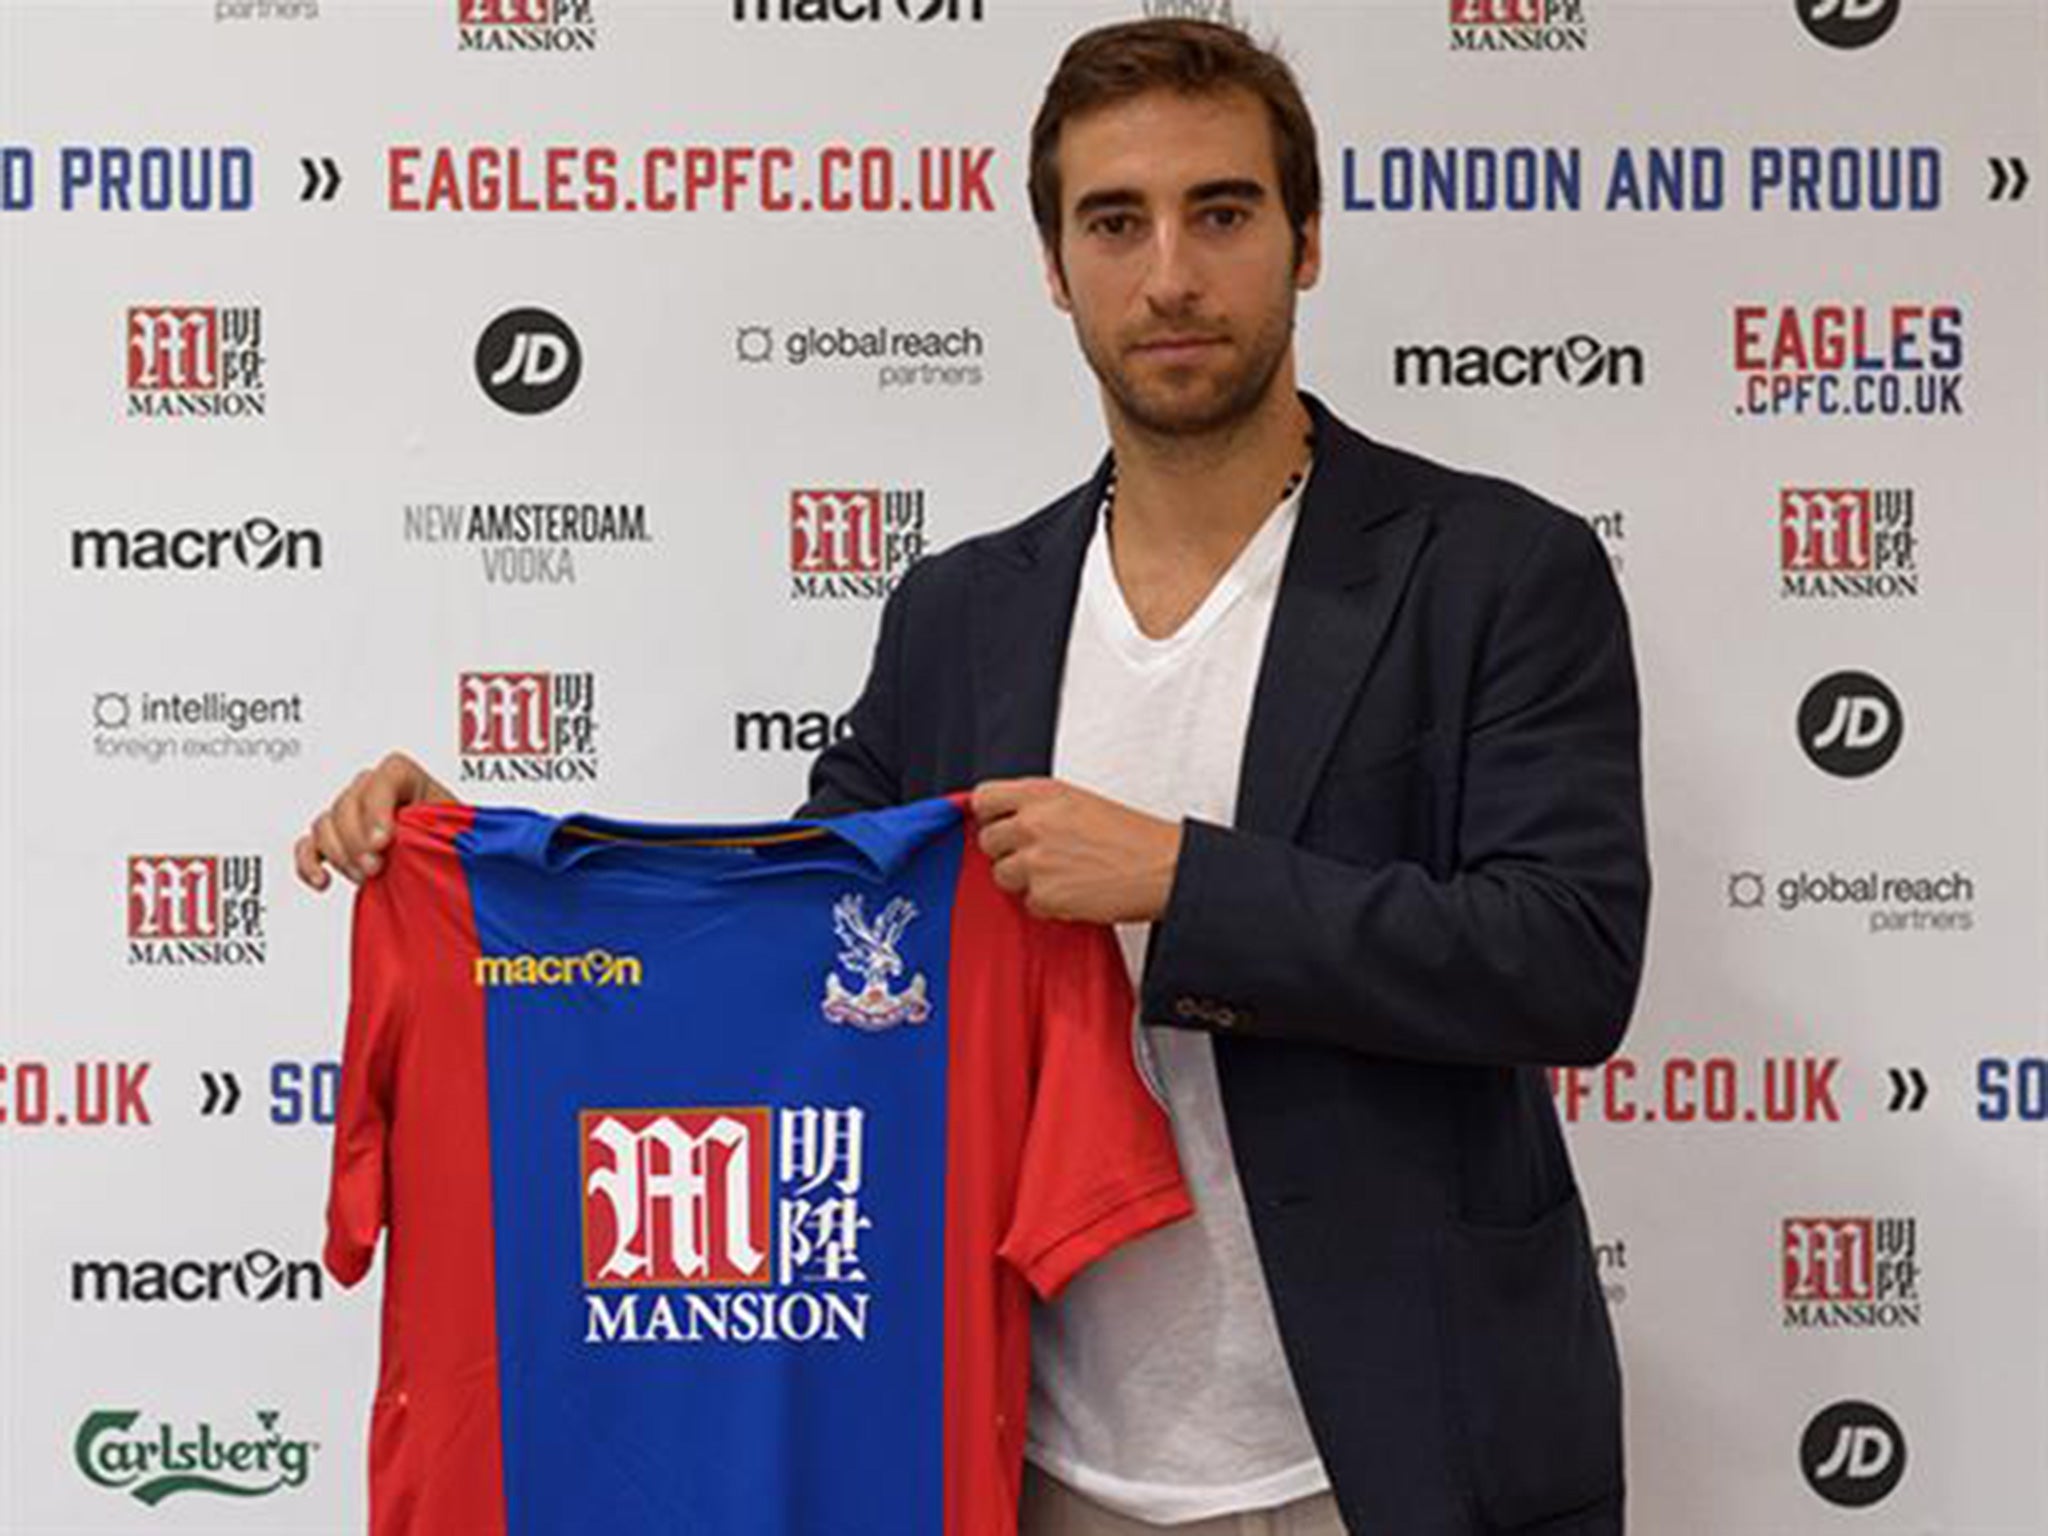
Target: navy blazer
[{"x": 1435, "y": 886}]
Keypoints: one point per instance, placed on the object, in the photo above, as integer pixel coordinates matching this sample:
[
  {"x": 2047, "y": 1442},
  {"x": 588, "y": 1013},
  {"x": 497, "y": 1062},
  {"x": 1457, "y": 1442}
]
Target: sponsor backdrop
[{"x": 555, "y": 388}]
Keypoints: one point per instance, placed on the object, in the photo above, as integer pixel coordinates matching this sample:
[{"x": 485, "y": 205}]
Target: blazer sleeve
[
  {"x": 1530, "y": 952},
  {"x": 863, "y": 770}
]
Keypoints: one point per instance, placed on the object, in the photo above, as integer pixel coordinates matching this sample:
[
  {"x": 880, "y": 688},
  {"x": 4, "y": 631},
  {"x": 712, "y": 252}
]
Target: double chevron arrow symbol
[
  {"x": 2008, "y": 178},
  {"x": 323, "y": 179},
  {"x": 1909, "y": 1090},
  {"x": 223, "y": 1093}
]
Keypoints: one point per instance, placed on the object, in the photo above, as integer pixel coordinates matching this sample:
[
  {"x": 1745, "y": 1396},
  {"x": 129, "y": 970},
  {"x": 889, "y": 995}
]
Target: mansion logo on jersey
[
  {"x": 526, "y": 26},
  {"x": 1847, "y": 541},
  {"x": 1850, "y": 1272},
  {"x": 195, "y": 360},
  {"x": 526, "y": 543},
  {"x": 204, "y": 909},
  {"x": 158, "y": 1462},
  {"x": 258, "y": 544},
  {"x": 1837, "y": 360},
  {"x": 726, "y": 1225},
  {"x": 1518, "y": 26},
  {"x": 1581, "y": 361},
  {"x": 527, "y": 727},
  {"x": 852, "y": 544}
]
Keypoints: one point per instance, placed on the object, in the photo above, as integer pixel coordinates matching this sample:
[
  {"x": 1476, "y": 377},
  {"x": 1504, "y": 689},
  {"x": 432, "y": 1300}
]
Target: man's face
[{"x": 1179, "y": 263}]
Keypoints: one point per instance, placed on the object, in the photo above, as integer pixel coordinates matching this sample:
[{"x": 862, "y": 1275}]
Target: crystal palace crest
[{"x": 868, "y": 950}]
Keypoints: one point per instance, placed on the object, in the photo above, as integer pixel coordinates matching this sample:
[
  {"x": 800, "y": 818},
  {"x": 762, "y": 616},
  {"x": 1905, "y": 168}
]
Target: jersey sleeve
[
  {"x": 356, "y": 1193},
  {"x": 1099, "y": 1165}
]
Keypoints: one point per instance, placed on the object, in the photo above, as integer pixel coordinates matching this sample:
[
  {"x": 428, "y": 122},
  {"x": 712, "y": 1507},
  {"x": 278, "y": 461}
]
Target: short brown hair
[{"x": 1118, "y": 62}]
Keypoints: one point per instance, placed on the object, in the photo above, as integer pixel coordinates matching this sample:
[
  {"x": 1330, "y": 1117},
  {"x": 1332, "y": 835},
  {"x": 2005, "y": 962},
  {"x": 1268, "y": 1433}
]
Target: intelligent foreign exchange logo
[
  {"x": 729, "y": 1225},
  {"x": 528, "y": 361},
  {"x": 158, "y": 1463}
]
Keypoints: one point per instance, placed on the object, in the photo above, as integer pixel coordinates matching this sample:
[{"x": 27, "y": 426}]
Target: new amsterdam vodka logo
[{"x": 158, "y": 1463}]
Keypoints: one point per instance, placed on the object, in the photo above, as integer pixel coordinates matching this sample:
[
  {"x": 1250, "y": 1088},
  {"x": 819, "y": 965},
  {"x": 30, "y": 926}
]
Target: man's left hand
[{"x": 1073, "y": 854}]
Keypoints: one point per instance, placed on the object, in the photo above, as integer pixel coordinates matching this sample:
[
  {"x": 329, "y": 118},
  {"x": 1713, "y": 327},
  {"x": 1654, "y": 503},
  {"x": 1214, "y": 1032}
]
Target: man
[{"x": 1353, "y": 763}]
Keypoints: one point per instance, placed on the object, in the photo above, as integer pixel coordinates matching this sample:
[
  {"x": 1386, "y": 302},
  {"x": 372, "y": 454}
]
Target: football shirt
[{"x": 719, "y": 1165}]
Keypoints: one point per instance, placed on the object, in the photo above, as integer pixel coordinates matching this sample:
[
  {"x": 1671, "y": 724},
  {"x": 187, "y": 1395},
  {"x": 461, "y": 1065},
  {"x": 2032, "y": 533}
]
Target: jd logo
[
  {"x": 1848, "y": 23},
  {"x": 1853, "y": 1454},
  {"x": 1850, "y": 724},
  {"x": 528, "y": 361}
]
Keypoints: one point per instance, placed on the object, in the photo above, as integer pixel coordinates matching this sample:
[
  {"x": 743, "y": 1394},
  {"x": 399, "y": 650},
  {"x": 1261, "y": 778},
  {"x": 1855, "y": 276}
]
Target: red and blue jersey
[{"x": 719, "y": 1165}]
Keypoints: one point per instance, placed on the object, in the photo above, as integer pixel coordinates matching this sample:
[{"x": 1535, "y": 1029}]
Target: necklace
[{"x": 1294, "y": 481}]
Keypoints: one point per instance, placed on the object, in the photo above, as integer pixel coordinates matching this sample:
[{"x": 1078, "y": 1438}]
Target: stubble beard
[{"x": 1167, "y": 413}]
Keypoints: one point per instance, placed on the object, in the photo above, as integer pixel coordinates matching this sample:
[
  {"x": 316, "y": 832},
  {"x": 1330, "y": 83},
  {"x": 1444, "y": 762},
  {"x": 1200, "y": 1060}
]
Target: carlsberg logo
[{"x": 155, "y": 1464}]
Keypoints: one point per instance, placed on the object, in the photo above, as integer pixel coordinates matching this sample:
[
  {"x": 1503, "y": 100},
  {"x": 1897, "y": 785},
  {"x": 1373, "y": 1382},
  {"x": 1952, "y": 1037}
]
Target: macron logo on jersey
[{"x": 593, "y": 968}]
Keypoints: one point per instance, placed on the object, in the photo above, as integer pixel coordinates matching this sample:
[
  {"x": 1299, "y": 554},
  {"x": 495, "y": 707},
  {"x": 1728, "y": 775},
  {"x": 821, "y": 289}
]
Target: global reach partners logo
[{"x": 155, "y": 1465}]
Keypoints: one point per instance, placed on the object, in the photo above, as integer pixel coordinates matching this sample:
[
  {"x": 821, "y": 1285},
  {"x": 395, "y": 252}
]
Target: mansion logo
[
  {"x": 1887, "y": 902},
  {"x": 919, "y": 12},
  {"x": 1518, "y": 26},
  {"x": 1849, "y": 1272},
  {"x": 1581, "y": 361},
  {"x": 524, "y": 543},
  {"x": 258, "y": 1276},
  {"x": 1847, "y": 541},
  {"x": 528, "y": 361},
  {"x": 1850, "y": 724},
  {"x": 731, "y": 1225},
  {"x": 1849, "y": 360},
  {"x": 596, "y": 968},
  {"x": 1847, "y": 23},
  {"x": 196, "y": 909},
  {"x": 195, "y": 360},
  {"x": 160, "y": 1461},
  {"x": 260, "y": 544},
  {"x": 525, "y": 26},
  {"x": 209, "y": 726},
  {"x": 527, "y": 727},
  {"x": 852, "y": 544},
  {"x": 898, "y": 358}
]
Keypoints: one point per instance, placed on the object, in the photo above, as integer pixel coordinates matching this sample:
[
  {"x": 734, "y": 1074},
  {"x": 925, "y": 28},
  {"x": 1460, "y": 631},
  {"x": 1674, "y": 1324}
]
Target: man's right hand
[{"x": 351, "y": 834}]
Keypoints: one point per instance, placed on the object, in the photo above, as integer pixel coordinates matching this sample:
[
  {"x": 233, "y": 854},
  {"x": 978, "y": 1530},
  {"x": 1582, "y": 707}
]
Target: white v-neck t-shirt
[{"x": 1159, "y": 1389}]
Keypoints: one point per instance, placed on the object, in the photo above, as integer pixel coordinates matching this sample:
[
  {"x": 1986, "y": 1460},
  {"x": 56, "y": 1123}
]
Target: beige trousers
[{"x": 1051, "y": 1508}]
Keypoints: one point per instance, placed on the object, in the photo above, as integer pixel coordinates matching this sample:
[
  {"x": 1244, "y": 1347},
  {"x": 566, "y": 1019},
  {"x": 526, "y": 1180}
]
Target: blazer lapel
[
  {"x": 1350, "y": 561},
  {"x": 1024, "y": 592}
]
